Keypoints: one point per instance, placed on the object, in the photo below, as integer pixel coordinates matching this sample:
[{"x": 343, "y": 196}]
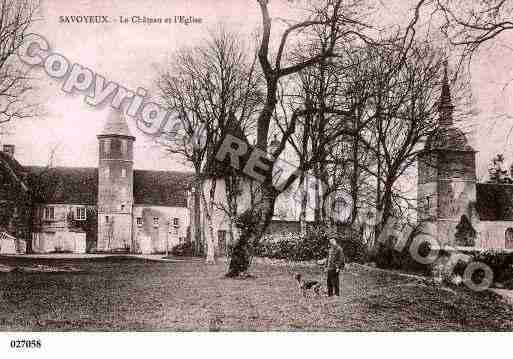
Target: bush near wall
[
  {"x": 184, "y": 249},
  {"x": 499, "y": 261},
  {"x": 386, "y": 256},
  {"x": 310, "y": 246}
]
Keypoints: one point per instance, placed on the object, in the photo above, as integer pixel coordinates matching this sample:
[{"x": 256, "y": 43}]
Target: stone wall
[
  {"x": 161, "y": 235},
  {"x": 492, "y": 234},
  {"x": 52, "y": 242},
  {"x": 60, "y": 225},
  {"x": 115, "y": 193}
]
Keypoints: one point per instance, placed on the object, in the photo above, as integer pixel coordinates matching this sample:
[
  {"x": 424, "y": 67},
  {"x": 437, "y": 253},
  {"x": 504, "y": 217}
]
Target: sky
[{"x": 131, "y": 55}]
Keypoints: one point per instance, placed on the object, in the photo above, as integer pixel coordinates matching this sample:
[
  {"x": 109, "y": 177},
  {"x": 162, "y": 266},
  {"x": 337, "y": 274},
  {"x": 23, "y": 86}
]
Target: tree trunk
[
  {"x": 252, "y": 225},
  {"x": 318, "y": 199},
  {"x": 303, "y": 182},
  {"x": 197, "y": 217},
  {"x": 210, "y": 242},
  {"x": 208, "y": 209}
]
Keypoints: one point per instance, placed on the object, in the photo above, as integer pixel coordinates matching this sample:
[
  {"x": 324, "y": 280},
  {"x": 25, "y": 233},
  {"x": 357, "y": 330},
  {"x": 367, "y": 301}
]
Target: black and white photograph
[{"x": 255, "y": 166}]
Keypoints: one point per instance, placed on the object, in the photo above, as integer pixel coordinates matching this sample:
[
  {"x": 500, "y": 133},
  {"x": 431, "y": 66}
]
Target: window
[
  {"x": 123, "y": 172},
  {"x": 139, "y": 221},
  {"x": 81, "y": 214},
  {"x": 106, "y": 219},
  {"x": 49, "y": 213},
  {"x": 509, "y": 238},
  {"x": 106, "y": 146},
  {"x": 458, "y": 169},
  {"x": 155, "y": 221},
  {"x": 124, "y": 147},
  {"x": 106, "y": 172},
  {"x": 428, "y": 203},
  {"x": 122, "y": 207},
  {"x": 176, "y": 222}
]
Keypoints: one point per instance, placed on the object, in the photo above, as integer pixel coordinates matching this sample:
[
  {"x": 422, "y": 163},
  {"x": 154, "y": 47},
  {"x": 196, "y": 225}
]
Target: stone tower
[
  {"x": 446, "y": 175},
  {"x": 115, "y": 185}
]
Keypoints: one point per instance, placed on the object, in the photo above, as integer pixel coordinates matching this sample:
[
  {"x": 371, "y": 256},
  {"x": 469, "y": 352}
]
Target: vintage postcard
[{"x": 255, "y": 165}]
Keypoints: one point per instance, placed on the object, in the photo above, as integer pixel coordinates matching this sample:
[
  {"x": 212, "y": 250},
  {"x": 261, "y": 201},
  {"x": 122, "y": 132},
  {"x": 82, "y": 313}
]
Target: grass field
[{"x": 111, "y": 294}]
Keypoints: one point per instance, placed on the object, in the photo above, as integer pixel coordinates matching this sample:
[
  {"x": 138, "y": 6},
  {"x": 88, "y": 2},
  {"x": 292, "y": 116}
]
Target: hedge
[
  {"x": 310, "y": 246},
  {"x": 499, "y": 261}
]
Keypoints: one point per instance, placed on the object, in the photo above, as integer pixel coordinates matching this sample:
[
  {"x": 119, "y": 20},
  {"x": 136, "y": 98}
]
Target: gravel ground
[{"x": 115, "y": 294}]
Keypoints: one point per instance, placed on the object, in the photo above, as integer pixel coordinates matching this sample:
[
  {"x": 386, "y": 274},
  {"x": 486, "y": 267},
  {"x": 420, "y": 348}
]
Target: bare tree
[
  {"x": 471, "y": 23},
  {"x": 338, "y": 20},
  {"x": 214, "y": 89},
  {"x": 16, "y": 17}
]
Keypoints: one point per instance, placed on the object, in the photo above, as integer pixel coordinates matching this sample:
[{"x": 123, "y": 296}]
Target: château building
[{"x": 113, "y": 207}]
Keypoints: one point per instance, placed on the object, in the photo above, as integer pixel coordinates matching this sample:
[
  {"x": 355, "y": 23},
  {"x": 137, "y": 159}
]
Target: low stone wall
[{"x": 64, "y": 242}]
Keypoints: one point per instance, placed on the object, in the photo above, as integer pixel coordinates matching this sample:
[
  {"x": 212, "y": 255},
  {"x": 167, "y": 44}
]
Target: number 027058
[{"x": 26, "y": 344}]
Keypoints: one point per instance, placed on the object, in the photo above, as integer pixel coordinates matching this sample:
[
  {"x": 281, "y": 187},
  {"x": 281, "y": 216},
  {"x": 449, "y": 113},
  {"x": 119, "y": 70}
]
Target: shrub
[
  {"x": 387, "y": 255},
  {"x": 499, "y": 261},
  {"x": 310, "y": 246},
  {"x": 183, "y": 249}
]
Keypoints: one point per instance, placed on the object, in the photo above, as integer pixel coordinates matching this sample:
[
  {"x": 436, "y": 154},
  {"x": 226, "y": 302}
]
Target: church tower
[
  {"x": 446, "y": 191},
  {"x": 115, "y": 185}
]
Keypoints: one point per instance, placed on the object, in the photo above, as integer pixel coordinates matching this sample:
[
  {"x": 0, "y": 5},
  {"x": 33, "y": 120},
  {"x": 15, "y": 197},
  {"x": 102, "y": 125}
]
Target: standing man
[{"x": 334, "y": 263}]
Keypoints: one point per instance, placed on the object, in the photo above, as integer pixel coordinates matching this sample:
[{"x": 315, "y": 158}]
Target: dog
[{"x": 308, "y": 285}]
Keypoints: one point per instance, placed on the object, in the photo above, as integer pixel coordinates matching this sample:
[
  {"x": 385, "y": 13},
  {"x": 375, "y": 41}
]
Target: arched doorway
[
  {"x": 465, "y": 234},
  {"x": 509, "y": 238}
]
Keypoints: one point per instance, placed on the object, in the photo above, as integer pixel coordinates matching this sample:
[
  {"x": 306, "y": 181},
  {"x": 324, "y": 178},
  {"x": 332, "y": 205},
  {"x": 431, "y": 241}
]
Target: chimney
[{"x": 9, "y": 149}]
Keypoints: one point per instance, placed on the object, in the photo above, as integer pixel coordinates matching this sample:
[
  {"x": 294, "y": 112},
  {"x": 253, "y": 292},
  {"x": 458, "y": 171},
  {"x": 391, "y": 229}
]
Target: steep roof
[
  {"x": 218, "y": 169},
  {"x": 116, "y": 125},
  {"x": 14, "y": 169},
  {"x": 70, "y": 185},
  {"x": 79, "y": 185},
  {"x": 447, "y": 136},
  {"x": 494, "y": 201},
  {"x": 161, "y": 188}
]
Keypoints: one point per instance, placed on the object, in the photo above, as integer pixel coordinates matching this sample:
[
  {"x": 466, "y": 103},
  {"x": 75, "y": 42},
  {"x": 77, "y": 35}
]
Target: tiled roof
[
  {"x": 14, "y": 168},
  {"x": 79, "y": 185},
  {"x": 161, "y": 188},
  {"x": 116, "y": 125},
  {"x": 70, "y": 185},
  {"x": 494, "y": 201},
  {"x": 447, "y": 136}
]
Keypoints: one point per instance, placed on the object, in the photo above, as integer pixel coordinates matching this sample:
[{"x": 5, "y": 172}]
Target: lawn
[{"x": 134, "y": 294}]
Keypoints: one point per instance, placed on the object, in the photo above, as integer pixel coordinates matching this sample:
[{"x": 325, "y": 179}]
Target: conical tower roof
[
  {"x": 445, "y": 106},
  {"x": 447, "y": 136},
  {"x": 116, "y": 125}
]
